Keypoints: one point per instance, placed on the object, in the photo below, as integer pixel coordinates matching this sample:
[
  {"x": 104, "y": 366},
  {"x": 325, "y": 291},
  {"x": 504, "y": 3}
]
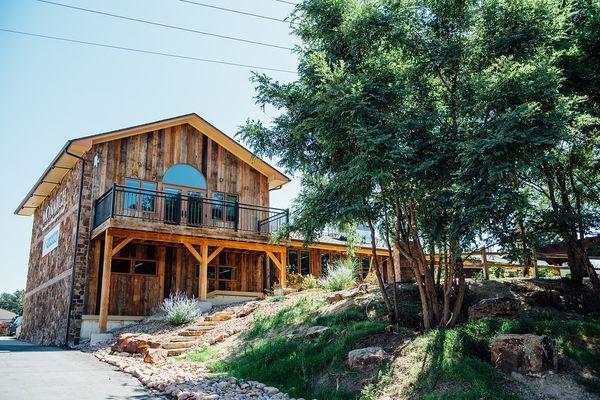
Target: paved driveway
[{"x": 36, "y": 372}]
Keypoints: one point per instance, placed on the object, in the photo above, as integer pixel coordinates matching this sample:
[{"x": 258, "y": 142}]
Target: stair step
[
  {"x": 177, "y": 345},
  {"x": 181, "y": 339},
  {"x": 201, "y": 328},
  {"x": 205, "y": 323},
  {"x": 192, "y": 333},
  {"x": 175, "y": 352}
]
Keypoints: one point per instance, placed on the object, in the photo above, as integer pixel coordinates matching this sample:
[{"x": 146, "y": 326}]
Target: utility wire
[
  {"x": 197, "y": 3},
  {"x": 287, "y": 2},
  {"x": 143, "y": 21},
  {"x": 158, "y": 53}
]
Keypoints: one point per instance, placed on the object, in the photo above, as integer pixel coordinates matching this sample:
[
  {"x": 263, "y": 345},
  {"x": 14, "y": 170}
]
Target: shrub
[
  {"x": 371, "y": 279},
  {"x": 497, "y": 272},
  {"x": 180, "y": 309},
  {"x": 341, "y": 276},
  {"x": 294, "y": 280},
  {"x": 310, "y": 282}
]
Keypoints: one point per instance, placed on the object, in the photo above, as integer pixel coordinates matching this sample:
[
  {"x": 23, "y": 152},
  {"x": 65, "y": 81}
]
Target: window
[
  {"x": 135, "y": 259},
  {"x": 217, "y": 207},
  {"x": 132, "y": 187},
  {"x": 222, "y": 274},
  {"x": 224, "y": 206},
  {"x": 132, "y": 195},
  {"x": 184, "y": 175},
  {"x": 293, "y": 261},
  {"x": 148, "y": 195},
  {"x": 324, "y": 263},
  {"x": 305, "y": 263},
  {"x": 194, "y": 207},
  {"x": 230, "y": 211}
]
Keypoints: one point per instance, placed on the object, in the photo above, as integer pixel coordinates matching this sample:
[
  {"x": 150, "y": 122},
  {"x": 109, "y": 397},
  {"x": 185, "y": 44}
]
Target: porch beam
[
  {"x": 280, "y": 264},
  {"x": 106, "y": 272},
  {"x": 214, "y": 254},
  {"x": 194, "y": 252},
  {"x": 121, "y": 245}
]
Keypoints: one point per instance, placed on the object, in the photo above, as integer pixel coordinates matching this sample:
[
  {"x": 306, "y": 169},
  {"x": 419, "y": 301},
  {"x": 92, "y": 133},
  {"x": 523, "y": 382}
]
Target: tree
[
  {"x": 13, "y": 301},
  {"x": 413, "y": 117},
  {"x": 564, "y": 183}
]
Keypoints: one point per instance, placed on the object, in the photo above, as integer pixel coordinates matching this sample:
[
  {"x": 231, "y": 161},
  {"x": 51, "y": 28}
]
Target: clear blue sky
[{"x": 52, "y": 91}]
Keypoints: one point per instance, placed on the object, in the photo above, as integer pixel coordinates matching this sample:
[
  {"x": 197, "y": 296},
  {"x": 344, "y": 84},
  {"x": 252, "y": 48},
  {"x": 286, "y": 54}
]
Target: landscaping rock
[
  {"x": 543, "y": 298},
  {"x": 494, "y": 307},
  {"x": 334, "y": 298},
  {"x": 156, "y": 355},
  {"x": 526, "y": 354},
  {"x": 134, "y": 343},
  {"x": 315, "y": 331},
  {"x": 367, "y": 358}
]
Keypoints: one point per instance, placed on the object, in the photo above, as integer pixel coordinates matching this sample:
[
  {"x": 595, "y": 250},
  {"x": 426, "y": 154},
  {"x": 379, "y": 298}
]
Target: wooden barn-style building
[{"x": 125, "y": 218}]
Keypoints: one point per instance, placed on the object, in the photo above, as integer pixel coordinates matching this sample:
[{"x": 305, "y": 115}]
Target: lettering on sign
[
  {"x": 54, "y": 209},
  {"x": 51, "y": 240}
]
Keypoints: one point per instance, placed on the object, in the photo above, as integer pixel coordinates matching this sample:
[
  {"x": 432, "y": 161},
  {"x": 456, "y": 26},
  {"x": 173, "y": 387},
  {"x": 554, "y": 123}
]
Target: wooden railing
[{"x": 189, "y": 210}]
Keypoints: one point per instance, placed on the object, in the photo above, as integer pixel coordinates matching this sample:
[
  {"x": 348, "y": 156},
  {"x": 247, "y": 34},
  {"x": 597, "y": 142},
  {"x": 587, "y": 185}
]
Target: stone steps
[
  {"x": 178, "y": 345},
  {"x": 195, "y": 334},
  {"x": 175, "y": 352}
]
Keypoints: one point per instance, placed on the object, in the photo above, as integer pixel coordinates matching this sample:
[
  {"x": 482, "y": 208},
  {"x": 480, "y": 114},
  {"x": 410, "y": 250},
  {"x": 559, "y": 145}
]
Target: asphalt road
[{"x": 36, "y": 372}]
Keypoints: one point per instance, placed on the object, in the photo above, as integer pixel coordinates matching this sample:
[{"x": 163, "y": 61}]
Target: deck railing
[{"x": 189, "y": 210}]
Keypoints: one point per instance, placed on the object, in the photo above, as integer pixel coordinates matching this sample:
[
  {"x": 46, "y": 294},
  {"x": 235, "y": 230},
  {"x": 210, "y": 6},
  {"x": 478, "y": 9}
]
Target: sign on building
[{"x": 51, "y": 240}]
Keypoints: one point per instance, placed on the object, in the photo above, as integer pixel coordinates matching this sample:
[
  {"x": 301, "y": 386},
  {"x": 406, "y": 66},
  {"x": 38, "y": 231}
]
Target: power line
[
  {"x": 287, "y": 2},
  {"x": 196, "y": 3},
  {"x": 143, "y": 21},
  {"x": 158, "y": 53}
]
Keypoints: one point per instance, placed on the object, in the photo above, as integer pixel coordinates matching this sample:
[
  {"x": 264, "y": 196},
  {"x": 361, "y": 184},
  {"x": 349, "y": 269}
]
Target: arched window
[{"x": 184, "y": 175}]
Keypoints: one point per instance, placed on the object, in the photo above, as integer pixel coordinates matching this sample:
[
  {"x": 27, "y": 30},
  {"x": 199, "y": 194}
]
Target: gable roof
[{"x": 67, "y": 157}]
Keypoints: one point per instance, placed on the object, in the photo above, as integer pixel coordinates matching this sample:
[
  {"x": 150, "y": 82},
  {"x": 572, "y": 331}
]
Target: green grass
[
  {"x": 292, "y": 362},
  {"x": 457, "y": 359},
  {"x": 201, "y": 355}
]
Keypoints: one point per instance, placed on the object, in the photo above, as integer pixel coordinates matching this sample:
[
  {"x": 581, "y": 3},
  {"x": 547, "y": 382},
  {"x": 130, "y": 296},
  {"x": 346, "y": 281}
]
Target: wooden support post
[
  {"x": 484, "y": 260},
  {"x": 283, "y": 272},
  {"x": 204, "y": 273},
  {"x": 162, "y": 255},
  {"x": 105, "y": 294}
]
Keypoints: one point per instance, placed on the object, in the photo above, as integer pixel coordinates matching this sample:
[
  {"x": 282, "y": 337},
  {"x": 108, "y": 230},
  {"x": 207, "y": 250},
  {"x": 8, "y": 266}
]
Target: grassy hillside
[{"x": 439, "y": 364}]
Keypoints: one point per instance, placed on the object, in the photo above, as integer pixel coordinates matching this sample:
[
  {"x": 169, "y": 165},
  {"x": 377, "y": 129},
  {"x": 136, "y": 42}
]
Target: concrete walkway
[{"x": 31, "y": 372}]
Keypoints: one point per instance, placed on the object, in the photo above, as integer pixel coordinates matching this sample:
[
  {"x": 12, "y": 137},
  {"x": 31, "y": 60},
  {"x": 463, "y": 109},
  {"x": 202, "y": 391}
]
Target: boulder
[
  {"x": 494, "y": 307},
  {"x": 366, "y": 358},
  {"x": 156, "y": 355},
  {"x": 543, "y": 298},
  {"x": 334, "y": 298},
  {"x": 315, "y": 331},
  {"x": 246, "y": 309},
  {"x": 526, "y": 354},
  {"x": 134, "y": 343}
]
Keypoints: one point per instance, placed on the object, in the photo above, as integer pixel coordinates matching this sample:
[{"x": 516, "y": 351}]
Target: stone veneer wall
[{"x": 49, "y": 276}]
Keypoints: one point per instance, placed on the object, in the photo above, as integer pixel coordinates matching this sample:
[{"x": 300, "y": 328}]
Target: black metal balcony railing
[{"x": 189, "y": 210}]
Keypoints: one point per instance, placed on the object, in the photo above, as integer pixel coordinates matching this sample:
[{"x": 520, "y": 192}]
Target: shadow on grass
[{"x": 276, "y": 352}]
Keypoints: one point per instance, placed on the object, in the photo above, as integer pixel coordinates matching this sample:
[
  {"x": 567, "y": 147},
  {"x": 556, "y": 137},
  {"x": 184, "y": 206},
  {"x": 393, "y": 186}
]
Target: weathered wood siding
[{"x": 148, "y": 156}]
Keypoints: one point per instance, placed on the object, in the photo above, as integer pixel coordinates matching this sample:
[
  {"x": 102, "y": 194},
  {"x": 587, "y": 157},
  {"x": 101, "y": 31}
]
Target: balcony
[{"x": 187, "y": 210}]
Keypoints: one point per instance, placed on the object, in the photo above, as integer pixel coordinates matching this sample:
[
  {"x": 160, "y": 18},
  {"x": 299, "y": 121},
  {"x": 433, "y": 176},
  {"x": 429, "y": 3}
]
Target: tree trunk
[{"x": 386, "y": 299}]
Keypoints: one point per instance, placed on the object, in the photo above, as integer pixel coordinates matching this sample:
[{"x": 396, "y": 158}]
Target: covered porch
[{"x": 132, "y": 271}]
